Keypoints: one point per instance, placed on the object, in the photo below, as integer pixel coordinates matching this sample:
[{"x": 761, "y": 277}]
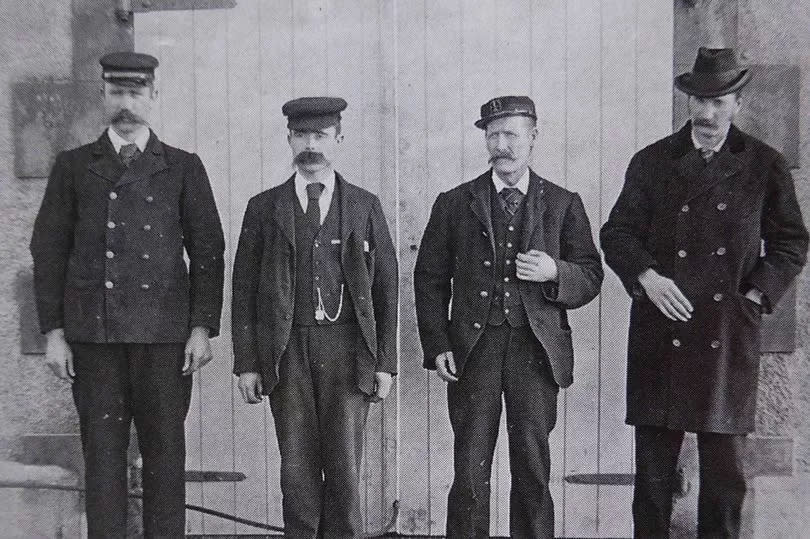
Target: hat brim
[
  {"x": 708, "y": 86},
  {"x": 482, "y": 123}
]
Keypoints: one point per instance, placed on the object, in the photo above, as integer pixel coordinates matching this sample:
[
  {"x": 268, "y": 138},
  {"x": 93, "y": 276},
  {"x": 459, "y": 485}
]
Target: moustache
[
  {"x": 497, "y": 156},
  {"x": 125, "y": 115},
  {"x": 704, "y": 123},
  {"x": 309, "y": 158}
]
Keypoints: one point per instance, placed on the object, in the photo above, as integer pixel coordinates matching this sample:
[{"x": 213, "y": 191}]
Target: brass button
[
  {"x": 506, "y": 294},
  {"x": 487, "y": 263},
  {"x": 508, "y": 262},
  {"x": 145, "y": 256},
  {"x": 722, "y": 206},
  {"x": 506, "y": 311},
  {"x": 721, "y": 251},
  {"x": 110, "y": 225},
  {"x": 676, "y": 343},
  {"x": 718, "y": 297},
  {"x": 476, "y": 325},
  {"x": 150, "y": 198},
  {"x": 509, "y": 244},
  {"x": 682, "y": 253},
  {"x": 506, "y": 279},
  {"x": 109, "y": 284},
  {"x": 317, "y": 278},
  {"x": 685, "y": 208},
  {"x": 110, "y": 254},
  {"x": 715, "y": 344},
  {"x": 147, "y": 227},
  {"x": 484, "y": 293},
  {"x": 113, "y": 195},
  {"x": 317, "y": 243},
  {"x": 144, "y": 286},
  {"x": 511, "y": 228}
]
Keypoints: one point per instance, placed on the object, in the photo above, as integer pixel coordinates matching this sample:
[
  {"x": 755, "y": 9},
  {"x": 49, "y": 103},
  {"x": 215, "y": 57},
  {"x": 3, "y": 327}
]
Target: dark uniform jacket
[
  {"x": 108, "y": 246},
  {"x": 703, "y": 226},
  {"x": 456, "y": 258},
  {"x": 264, "y": 281}
]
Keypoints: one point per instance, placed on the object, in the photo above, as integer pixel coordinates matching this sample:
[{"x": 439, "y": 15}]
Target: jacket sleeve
[
  {"x": 431, "y": 280},
  {"x": 784, "y": 235},
  {"x": 51, "y": 244},
  {"x": 246, "y": 278},
  {"x": 205, "y": 245},
  {"x": 624, "y": 235},
  {"x": 579, "y": 268},
  {"x": 384, "y": 290}
]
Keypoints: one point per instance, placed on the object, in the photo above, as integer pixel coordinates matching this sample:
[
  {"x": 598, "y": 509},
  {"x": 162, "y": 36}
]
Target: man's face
[
  {"x": 314, "y": 150},
  {"x": 712, "y": 116},
  {"x": 509, "y": 142},
  {"x": 127, "y": 108}
]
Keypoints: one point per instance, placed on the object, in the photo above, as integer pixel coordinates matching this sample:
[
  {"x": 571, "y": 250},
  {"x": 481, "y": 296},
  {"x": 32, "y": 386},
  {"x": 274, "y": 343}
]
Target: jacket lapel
[
  {"x": 284, "y": 210},
  {"x": 105, "y": 163},
  {"x": 150, "y": 163},
  {"x": 481, "y": 204},
  {"x": 698, "y": 176},
  {"x": 533, "y": 218}
]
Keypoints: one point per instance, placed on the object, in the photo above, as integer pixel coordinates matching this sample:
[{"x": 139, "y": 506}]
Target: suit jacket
[
  {"x": 108, "y": 246},
  {"x": 702, "y": 226},
  {"x": 264, "y": 281},
  {"x": 459, "y": 240}
]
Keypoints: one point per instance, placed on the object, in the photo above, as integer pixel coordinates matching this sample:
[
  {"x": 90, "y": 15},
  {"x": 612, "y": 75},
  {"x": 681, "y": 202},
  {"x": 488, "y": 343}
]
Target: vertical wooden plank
[
  {"x": 444, "y": 148},
  {"x": 583, "y": 118},
  {"x": 416, "y": 200},
  {"x": 244, "y": 146},
  {"x": 654, "y": 52},
  {"x": 310, "y": 47},
  {"x": 617, "y": 147},
  {"x": 548, "y": 83},
  {"x": 212, "y": 128}
]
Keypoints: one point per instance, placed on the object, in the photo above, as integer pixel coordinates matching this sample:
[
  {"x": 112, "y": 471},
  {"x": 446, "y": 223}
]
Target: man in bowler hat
[
  {"x": 314, "y": 321},
  {"x": 706, "y": 236},
  {"x": 127, "y": 322},
  {"x": 512, "y": 252}
]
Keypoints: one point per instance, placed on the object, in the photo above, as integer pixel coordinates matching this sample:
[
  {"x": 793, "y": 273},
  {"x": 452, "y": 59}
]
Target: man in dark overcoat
[
  {"x": 512, "y": 252},
  {"x": 706, "y": 235},
  {"x": 127, "y": 321},
  {"x": 315, "y": 320}
]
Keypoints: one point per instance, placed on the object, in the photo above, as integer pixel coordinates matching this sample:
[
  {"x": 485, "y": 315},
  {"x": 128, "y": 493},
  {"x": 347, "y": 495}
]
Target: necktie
[
  {"x": 511, "y": 199},
  {"x": 129, "y": 153},
  {"x": 313, "y": 214},
  {"x": 706, "y": 154}
]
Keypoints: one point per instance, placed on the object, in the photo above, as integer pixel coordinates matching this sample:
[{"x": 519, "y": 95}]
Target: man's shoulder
[
  {"x": 764, "y": 152},
  {"x": 356, "y": 193}
]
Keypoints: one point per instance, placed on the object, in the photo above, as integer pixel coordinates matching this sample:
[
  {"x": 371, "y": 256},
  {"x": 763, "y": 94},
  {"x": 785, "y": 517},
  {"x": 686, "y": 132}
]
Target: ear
[{"x": 339, "y": 138}]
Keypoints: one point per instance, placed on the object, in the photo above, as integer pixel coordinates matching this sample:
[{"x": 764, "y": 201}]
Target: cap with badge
[
  {"x": 508, "y": 105},
  {"x": 128, "y": 68},
  {"x": 313, "y": 113}
]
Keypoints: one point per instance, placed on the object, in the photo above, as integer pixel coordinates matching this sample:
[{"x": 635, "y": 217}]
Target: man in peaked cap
[
  {"x": 685, "y": 239},
  {"x": 127, "y": 322},
  {"x": 314, "y": 321},
  {"x": 512, "y": 252}
]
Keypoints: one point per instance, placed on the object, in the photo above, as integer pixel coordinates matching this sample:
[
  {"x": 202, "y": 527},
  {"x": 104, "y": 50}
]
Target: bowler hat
[
  {"x": 715, "y": 73},
  {"x": 508, "y": 105}
]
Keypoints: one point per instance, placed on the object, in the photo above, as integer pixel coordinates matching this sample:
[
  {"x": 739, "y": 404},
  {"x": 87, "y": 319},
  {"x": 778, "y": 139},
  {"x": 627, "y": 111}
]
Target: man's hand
[
  {"x": 59, "y": 356},
  {"x": 536, "y": 266},
  {"x": 250, "y": 386},
  {"x": 755, "y": 295},
  {"x": 198, "y": 350},
  {"x": 446, "y": 367},
  {"x": 666, "y": 295},
  {"x": 382, "y": 385}
]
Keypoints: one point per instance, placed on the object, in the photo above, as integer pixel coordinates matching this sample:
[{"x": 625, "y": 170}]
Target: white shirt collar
[
  {"x": 326, "y": 196},
  {"x": 118, "y": 141},
  {"x": 522, "y": 184},
  {"x": 698, "y": 145}
]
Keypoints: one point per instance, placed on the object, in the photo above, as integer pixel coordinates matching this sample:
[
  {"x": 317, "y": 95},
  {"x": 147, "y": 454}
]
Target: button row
[
  {"x": 109, "y": 285},
  {"x": 714, "y": 344},
  {"x": 149, "y": 198}
]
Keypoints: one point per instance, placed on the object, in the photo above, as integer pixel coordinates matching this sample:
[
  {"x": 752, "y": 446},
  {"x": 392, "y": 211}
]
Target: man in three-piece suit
[
  {"x": 314, "y": 321},
  {"x": 512, "y": 252},
  {"x": 126, "y": 321},
  {"x": 706, "y": 235}
]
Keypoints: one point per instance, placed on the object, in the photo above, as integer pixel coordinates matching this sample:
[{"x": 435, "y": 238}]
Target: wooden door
[{"x": 415, "y": 73}]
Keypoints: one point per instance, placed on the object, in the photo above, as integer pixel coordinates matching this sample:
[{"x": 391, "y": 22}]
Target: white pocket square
[{"x": 365, "y": 246}]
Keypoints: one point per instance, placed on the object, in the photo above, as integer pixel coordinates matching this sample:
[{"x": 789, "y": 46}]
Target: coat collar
[
  {"x": 108, "y": 165},
  {"x": 689, "y": 165}
]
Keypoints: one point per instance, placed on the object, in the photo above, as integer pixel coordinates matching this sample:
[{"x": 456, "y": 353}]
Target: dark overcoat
[
  {"x": 108, "y": 246},
  {"x": 264, "y": 281},
  {"x": 456, "y": 258},
  {"x": 717, "y": 230}
]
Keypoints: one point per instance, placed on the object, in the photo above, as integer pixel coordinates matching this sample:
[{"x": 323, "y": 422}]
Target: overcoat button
[
  {"x": 110, "y": 254},
  {"x": 109, "y": 284},
  {"x": 685, "y": 208},
  {"x": 110, "y": 225},
  {"x": 715, "y": 344},
  {"x": 721, "y": 251},
  {"x": 506, "y": 279},
  {"x": 476, "y": 325},
  {"x": 722, "y": 206},
  {"x": 509, "y": 244},
  {"x": 676, "y": 343},
  {"x": 113, "y": 195},
  {"x": 682, "y": 253},
  {"x": 508, "y": 262},
  {"x": 506, "y": 311},
  {"x": 506, "y": 294},
  {"x": 147, "y": 227},
  {"x": 150, "y": 198},
  {"x": 484, "y": 293},
  {"x": 718, "y": 297},
  {"x": 487, "y": 263},
  {"x": 145, "y": 256},
  {"x": 511, "y": 228},
  {"x": 144, "y": 286}
]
